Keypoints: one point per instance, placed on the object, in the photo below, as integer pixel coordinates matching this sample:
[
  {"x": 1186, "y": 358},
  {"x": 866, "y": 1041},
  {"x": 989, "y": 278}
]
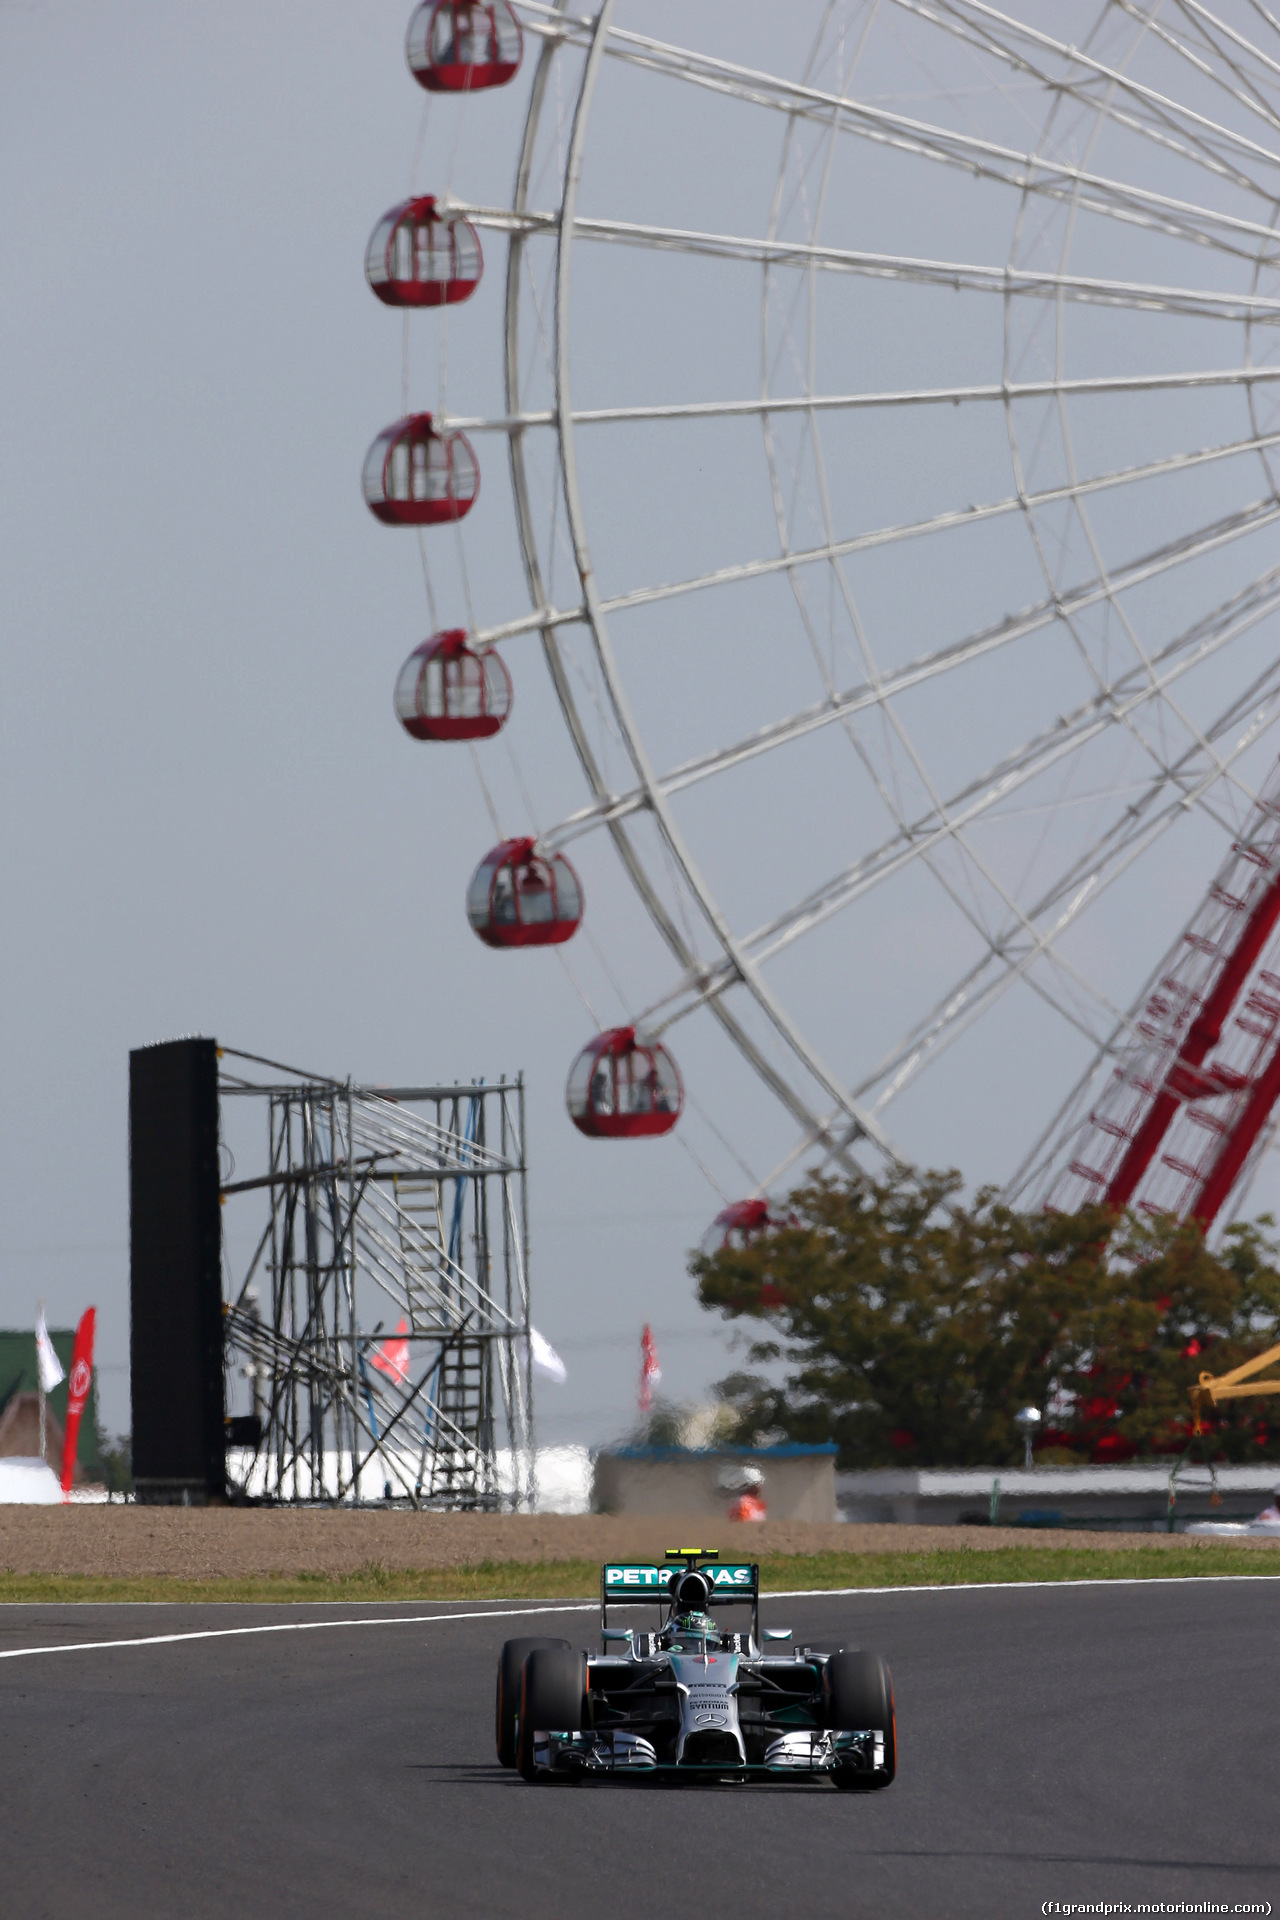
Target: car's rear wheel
[
  {"x": 860, "y": 1698},
  {"x": 507, "y": 1707},
  {"x": 553, "y": 1695}
]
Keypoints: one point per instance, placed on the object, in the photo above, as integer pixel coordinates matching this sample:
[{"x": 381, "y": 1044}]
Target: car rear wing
[{"x": 629, "y": 1583}]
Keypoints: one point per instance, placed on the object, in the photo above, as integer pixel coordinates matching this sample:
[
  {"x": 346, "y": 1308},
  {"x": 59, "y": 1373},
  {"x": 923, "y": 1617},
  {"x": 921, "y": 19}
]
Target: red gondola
[
  {"x": 445, "y": 691},
  {"x": 458, "y": 46},
  {"x": 417, "y": 257},
  {"x": 416, "y": 477},
  {"x": 519, "y": 898},
  {"x": 620, "y": 1087},
  {"x": 738, "y": 1225}
]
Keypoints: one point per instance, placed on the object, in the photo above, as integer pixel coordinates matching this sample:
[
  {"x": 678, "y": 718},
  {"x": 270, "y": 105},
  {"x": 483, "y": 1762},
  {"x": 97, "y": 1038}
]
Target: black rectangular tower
[{"x": 175, "y": 1274}]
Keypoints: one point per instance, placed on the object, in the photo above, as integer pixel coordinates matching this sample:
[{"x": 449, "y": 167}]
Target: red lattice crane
[{"x": 1188, "y": 1102}]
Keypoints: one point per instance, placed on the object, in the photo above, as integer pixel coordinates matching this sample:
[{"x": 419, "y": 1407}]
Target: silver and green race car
[{"x": 693, "y": 1697}]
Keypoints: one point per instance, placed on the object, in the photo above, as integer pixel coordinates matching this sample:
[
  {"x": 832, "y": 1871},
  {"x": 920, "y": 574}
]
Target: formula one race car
[{"x": 693, "y": 1698}]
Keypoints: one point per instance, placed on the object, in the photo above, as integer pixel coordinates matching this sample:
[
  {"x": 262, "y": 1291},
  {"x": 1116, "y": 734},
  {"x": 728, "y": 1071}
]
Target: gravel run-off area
[{"x": 200, "y": 1543}]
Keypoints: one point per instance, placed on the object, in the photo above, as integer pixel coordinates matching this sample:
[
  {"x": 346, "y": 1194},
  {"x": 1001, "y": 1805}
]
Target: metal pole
[
  {"x": 510, "y": 1350},
  {"x": 351, "y": 1293},
  {"x": 531, "y": 1483}
]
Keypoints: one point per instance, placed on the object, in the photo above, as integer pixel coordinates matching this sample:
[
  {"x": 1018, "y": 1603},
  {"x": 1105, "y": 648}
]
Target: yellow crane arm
[
  {"x": 1236, "y": 1384},
  {"x": 1214, "y": 1386}
]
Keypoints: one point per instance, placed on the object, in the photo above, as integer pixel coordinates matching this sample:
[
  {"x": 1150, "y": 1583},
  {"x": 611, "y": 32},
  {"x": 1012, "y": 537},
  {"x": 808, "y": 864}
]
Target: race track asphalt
[{"x": 1113, "y": 1743}]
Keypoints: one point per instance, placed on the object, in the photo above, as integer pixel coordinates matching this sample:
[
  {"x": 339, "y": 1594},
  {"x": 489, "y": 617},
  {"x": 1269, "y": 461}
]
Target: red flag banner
[
  {"x": 79, "y": 1381},
  {"x": 392, "y": 1357},
  {"x": 649, "y": 1369}
]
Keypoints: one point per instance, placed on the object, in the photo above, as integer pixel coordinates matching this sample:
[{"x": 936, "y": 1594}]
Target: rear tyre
[
  {"x": 507, "y": 1707},
  {"x": 860, "y": 1696},
  {"x": 553, "y": 1698}
]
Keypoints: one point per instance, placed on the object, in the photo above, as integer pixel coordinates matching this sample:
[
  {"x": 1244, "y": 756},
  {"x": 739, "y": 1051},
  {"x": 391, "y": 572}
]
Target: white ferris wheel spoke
[
  {"x": 987, "y": 25},
  {"x": 551, "y": 617},
  {"x": 966, "y": 1007},
  {"x": 966, "y": 896},
  {"x": 1047, "y": 1151},
  {"x": 1210, "y": 24},
  {"x": 977, "y": 879},
  {"x": 1163, "y": 110},
  {"x": 702, "y": 984},
  {"x": 930, "y": 666},
  {"x": 1245, "y": 91},
  {"x": 872, "y": 872},
  {"x": 1002, "y": 392},
  {"x": 955, "y": 275},
  {"x": 963, "y": 1006},
  {"x": 979, "y": 874},
  {"x": 1023, "y": 171},
  {"x": 983, "y": 795},
  {"x": 811, "y": 720},
  {"x": 1098, "y": 868}
]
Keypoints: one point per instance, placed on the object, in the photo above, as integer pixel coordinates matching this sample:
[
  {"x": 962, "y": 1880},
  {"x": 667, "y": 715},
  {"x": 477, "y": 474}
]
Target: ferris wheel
[{"x": 891, "y": 405}]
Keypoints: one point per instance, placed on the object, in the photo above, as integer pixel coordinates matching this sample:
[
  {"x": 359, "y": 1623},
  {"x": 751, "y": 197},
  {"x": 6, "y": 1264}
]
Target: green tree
[
  {"x": 913, "y": 1327},
  {"x": 1168, "y": 1309}
]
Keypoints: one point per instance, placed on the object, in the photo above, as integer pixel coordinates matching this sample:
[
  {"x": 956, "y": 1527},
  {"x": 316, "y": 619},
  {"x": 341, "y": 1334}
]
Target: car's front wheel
[
  {"x": 507, "y": 1708},
  {"x": 553, "y": 1698},
  {"x": 860, "y": 1699}
]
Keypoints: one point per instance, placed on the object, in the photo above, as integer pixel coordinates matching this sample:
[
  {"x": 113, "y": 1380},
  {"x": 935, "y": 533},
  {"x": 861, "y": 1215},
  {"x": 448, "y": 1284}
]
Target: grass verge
[{"x": 580, "y": 1579}]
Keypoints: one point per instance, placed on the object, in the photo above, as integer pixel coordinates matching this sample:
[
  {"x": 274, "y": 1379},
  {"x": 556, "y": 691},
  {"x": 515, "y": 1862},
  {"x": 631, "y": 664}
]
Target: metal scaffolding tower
[{"x": 378, "y": 1327}]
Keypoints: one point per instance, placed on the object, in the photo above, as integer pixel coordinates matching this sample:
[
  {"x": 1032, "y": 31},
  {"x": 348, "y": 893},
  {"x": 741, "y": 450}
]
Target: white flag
[
  {"x": 51, "y": 1374},
  {"x": 546, "y": 1359}
]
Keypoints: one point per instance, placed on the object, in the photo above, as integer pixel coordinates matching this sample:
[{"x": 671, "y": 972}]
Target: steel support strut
[
  {"x": 1238, "y": 1143},
  {"x": 1203, "y": 1035}
]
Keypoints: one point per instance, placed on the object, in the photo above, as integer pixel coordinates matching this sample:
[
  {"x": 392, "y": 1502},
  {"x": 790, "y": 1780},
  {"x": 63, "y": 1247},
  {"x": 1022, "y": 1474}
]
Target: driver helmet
[{"x": 690, "y": 1594}]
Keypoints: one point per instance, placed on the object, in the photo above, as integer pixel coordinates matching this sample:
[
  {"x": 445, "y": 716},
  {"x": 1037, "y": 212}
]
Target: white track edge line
[
  {"x": 589, "y": 1606},
  {"x": 291, "y": 1626},
  {"x": 1003, "y": 1586}
]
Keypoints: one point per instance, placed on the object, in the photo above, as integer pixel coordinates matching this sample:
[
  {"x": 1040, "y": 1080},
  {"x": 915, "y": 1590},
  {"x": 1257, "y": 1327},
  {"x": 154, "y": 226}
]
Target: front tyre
[
  {"x": 553, "y": 1698},
  {"x": 507, "y": 1704},
  {"x": 859, "y": 1692}
]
